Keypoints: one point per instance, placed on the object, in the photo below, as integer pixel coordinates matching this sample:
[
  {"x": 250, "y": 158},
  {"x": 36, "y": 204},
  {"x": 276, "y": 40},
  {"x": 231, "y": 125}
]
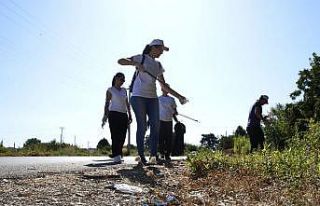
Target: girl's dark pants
[{"x": 118, "y": 124}]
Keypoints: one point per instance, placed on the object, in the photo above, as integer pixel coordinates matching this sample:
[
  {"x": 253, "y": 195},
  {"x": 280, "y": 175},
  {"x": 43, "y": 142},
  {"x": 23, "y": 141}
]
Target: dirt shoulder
[{"x": 161, "y": 184}]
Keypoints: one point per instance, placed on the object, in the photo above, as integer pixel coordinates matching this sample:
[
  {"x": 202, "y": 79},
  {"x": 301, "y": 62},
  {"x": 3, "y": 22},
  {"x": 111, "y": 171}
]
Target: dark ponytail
[
  {"x": 147, "y": 49},
  {"x": 119, "y": 74}
]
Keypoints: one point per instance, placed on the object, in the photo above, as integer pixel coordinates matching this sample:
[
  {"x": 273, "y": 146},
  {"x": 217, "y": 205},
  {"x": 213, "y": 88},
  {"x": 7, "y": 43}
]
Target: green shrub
[
  {"x": 241, "y": 145},
  {"x": 4, "y": 151},
  {"x": 204, "y": 160}
]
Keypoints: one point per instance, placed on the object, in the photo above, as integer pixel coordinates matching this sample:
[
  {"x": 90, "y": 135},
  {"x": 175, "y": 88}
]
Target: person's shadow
[
  {"x": 144, "y": 175},
  {"x": 147, "y": 175},
  {"x": 102, "y": 163}
]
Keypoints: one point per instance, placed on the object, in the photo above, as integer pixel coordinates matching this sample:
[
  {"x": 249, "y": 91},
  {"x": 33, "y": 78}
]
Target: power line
[
  {"x": 76, "y": 53},
  {"x": 71, "y": 45}
]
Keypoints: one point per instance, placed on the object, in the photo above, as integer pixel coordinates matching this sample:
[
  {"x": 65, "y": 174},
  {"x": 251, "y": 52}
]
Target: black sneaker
[
  {"x": 141, "y": 160},
  {"x": 160, "y": 160},
  {"x": 167, "y": 158},
  {"x": 144, "y": 162}
]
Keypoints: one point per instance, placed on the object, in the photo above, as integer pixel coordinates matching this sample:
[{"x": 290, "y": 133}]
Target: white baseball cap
[{"x": 159, "y": 42}]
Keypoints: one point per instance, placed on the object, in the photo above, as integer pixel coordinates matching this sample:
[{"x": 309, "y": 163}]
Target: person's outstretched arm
[
  {"x": 130, "y": 62},
  {"x": 168, "y": 89}
]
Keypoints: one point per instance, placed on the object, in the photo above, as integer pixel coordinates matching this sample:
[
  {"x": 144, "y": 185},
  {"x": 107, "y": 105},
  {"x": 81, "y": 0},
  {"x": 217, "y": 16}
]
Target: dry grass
[{"x": 219, "y": 187}]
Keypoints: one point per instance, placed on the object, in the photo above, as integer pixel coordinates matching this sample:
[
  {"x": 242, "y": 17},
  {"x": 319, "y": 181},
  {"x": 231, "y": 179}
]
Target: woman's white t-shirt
[
  {"x": 167, "y": 108},
  {"x": 118, "y": 100},
  {"x": 144, "y": 84}
]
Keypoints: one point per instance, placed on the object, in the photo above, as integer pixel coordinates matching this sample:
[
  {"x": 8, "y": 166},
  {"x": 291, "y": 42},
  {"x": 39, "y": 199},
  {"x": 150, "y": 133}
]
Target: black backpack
[{"x": 135, "y": 74}]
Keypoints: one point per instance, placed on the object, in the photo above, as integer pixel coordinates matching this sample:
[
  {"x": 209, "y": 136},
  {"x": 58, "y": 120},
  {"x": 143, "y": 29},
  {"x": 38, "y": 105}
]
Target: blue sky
[{"x": 57, "y": 57}]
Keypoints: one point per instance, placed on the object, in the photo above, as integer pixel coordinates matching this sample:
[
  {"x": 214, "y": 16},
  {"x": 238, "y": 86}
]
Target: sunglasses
[{"x": 121, "y": 79}]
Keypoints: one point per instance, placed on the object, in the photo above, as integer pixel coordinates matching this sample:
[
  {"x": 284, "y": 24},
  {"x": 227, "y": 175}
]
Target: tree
[
  {"x": 240, "y": 131},
  {"x": 209, "y": 141},
  {"x": 53, "y": 145},
  {"x": 280, "y": 125},
  {"x": 309, "y": 88},
  {"x": 30, "y": 143},
  {"x": 287, "y": 121},
  {"x": 225, "y": 142},
  {"x": 103, "y": 144}
]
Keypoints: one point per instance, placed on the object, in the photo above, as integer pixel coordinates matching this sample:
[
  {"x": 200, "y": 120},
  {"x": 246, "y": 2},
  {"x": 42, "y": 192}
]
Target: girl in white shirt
[
  {"x": 116, "y": 110},
  {"x": 144, "y": 98}
]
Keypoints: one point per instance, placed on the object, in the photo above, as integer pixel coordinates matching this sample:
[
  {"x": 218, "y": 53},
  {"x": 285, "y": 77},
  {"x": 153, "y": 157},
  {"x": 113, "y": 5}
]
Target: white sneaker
[
  {"x": 117, "y": 159},
  {"x": 138, "y": 159},
  {"x": 153, "y": 160}
]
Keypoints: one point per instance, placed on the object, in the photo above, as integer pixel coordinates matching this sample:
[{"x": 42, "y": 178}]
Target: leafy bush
[
  {"x": 284, "y": 122},
  {"x": 204, "y": 160},
  {"x": 3, "y": 150},
  {"x": 241, "y": 145}
]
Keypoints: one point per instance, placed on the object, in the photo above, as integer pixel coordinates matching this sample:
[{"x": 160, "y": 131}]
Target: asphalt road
[
  {"x": 12, "y": 167},
  {"x": 16, "y": 167}
]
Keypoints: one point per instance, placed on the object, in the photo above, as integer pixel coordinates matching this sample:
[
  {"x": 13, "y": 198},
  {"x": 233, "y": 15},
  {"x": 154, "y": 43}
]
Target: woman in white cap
[{"x": 144, "y": 98}]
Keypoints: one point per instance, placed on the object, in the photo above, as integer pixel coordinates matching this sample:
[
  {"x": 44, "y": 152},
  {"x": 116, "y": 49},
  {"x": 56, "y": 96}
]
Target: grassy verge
[{"x": 66, "y": 150}]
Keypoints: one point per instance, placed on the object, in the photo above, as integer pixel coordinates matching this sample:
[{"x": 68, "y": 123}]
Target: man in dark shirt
[{"x": 254, "y": 123}]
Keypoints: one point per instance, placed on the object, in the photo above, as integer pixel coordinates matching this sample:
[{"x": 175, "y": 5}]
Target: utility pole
[
  {"x": 61, "y": 134},
  {"x": 75, "y": 140}
]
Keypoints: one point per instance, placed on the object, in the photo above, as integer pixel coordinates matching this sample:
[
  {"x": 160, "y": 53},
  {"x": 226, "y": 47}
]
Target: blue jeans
[{"x": 142, "y": 107}]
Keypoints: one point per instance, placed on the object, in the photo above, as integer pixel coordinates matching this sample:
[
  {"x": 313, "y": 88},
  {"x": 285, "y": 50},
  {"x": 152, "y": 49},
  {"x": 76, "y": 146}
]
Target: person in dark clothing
[
  {"x": 117, "y": 111},
  {"x": 254, "y": 128},
  {"x": 178, "y": 146}
]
